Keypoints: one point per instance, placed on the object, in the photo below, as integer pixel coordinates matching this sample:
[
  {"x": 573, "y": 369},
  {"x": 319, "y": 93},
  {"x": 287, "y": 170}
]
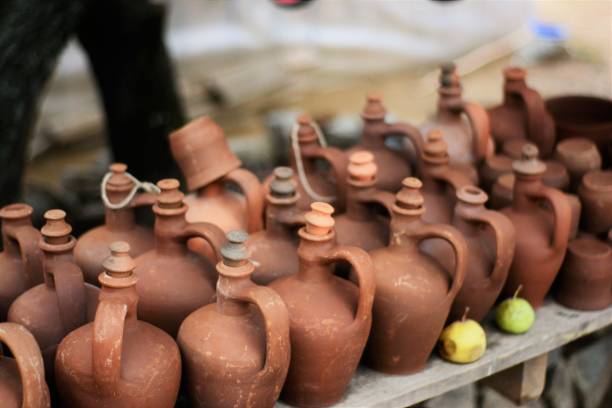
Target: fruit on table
[
  {"x": 515, "y": 315},
  {"x": 463, "y": 341}
]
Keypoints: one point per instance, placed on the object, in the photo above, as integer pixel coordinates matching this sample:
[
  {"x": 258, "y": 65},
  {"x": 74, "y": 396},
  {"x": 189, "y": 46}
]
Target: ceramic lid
[
  {"x": 472, "y": 195},
  {"x": 118, "y": 267},
  {"x": 306, "y": 132},
  {"x": 235, "y": 256},
  {"x": 515, "y": 74},
  {"x": 118, "y": 180},
  {"x": 374, "y": 108},
  {"x": 56, "y": 225},
  {"x": 409, "y": 200},
  {"x": 319, "y": 221},
  {"x": 170, "y": 196},
  {"x": 362, "y": 169},
  {"x": 435, "y": 149},
  {"x": 283, "y": 185},
  {"x": 529, "y": 164}
]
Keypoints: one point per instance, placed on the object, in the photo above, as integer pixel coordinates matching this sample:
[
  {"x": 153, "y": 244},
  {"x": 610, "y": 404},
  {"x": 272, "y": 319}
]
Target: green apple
[{"x": 515, "y": 315}]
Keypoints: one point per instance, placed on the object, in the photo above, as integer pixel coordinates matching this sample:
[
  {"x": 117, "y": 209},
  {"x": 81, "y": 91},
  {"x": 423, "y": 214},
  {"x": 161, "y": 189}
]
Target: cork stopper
[
  {"x": 409, "y": 200},
  {"x": 515, "y": 74},
  {"x": 435, "y": 149},
  {"x": 283, "y": 185},
  {"x": 170, "y": 196},
  {"x": 362, "y": 169},
  {"x": 118, "y": 267},
  {"x": 235, "y": 251},
  {"x": 319, "y": 221},
  {"x": 15, "y": 211},
  {"x": 529, "y": 164},
  {"x": 56, "y": 225},
  {"x": 118, "y": 180},
  {"x": 472, "y": 195},
  {"x": 306, "y": 132},
  {"x": 374, "y": 108}
]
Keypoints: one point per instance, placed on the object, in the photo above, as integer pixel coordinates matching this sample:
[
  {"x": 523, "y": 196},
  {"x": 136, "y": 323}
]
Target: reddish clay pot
[
  {"x": 502, "y": 191},
  {"x": 522, "y": 114},
  {"x": 21, "y": 259},
  {"x": 360, "y": 226},
  {"x": 173, "y": 281},
  {"x": 595, "y": 192},
  {"x": 119, "y": 225},
  {"x": 330, "y": 317},
  {"x": 118, "y": 361},
  {"x": 393, "y": 166},
  {"x": 542, "y": 232},
  {"x": 585, "y": 280},
  {"x": 278, "y": 237},
  {"x": 22, "y": 378},
  {"x": 579, "y": 156},
  {"x": 492, "y": 168},
  {"x": 465, "y": 125},
  {"x": 64, "y": 302},
  {"x": 237, "y": 351}
]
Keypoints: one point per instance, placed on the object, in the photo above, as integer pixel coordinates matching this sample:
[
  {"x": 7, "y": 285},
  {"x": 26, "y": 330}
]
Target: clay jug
[
  {"x": 330, "y": 316},
  {"x": 22, "y": 378},
  {"x": 172, "y": 280},
  {"x": 209, "y": 167},
  {"x": 278, "y": 237},
  {"x": 119, "y": 225},
  {"x": 465, "y": 125},
  {"x": 360, "y": 225},
  {"x": 595, "y": 192},
  {"x": 542, "y": 231},
  {"x": 413, "y": 291},
  {"x": 585, "y": 280},
  {"x": 21, "y": 258},
  {"x": 579, "y": 155},
  {"x": 117, "y": 360},
  {"x": 522, "y": 114},
  {"x": 236, "y": 351},
  {"x": 492, "y": 168},
  {"x": 64, "y": 301},
  {"x": 393, "y": 165}
]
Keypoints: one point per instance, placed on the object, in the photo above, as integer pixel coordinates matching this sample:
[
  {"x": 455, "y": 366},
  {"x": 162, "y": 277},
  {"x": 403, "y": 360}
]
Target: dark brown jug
[
  {"x": 21, "y": 258},
  {"x": 22, "y": 378},
  {"x": 522, "y": 114},
  {"x": 413, "y": 291},
  {"x": 119, "y": 225},
  {"x": 579, "y": 155},
  {"x": 465, "y": 125},
  {"x": 118, "y": 361},
  {"x": 330, "y": 317},
  {"x": 237, "y": 351},
  {"x": 542, "y": 231},
  {"x": 172, "y": 280},
  {"x": 64, "y": 302},
  {"x": 595, "y": 192},
  {"x": 393, "y": 165},
  {"x": 278, "y": 237}
]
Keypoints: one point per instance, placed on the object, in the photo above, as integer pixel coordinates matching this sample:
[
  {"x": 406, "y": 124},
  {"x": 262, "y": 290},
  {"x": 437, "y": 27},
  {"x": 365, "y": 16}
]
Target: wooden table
[{"x": 514, "y": 365}]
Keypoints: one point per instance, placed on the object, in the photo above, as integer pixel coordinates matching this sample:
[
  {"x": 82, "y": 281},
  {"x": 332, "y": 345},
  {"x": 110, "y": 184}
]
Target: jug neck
[
  {"x": 463, "y": 214},
  {"x": 450, "y": 102},
  {"x": 54, "y": 255},
  {"x": 227, "y": 288},
  {"x": 127, "y": 296},
  {"x": 119, "y": 220},
  {"x": 276, "y": 215},
  {"x": 523, "y": 185},
  {"x": 356, "y": 209},
  {"x": 373, "y": 134},
  {"x": 168, "y": 232},
  {"x": 311, "y": 253},
  {"x": 401, "y": 228}
]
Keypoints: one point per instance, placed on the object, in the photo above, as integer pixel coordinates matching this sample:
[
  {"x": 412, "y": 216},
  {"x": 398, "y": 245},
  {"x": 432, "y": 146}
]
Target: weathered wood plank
[{"x": 522, "y": 383}]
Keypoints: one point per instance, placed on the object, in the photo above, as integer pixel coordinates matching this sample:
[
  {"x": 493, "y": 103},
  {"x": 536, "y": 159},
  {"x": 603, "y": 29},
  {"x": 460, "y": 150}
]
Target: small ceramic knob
[
  {"x": 362, "y": 167},
  {"x": 306, "y": 132},
  {"x": 409, "y": 199},
  {"x": 235, "y": 252},
  {"x": 118, "y": 267},
  {"x": 170, "y": 196},
  {"x": 515, "y": 74},
  {"x": 435, "y": 149},
  {"x": 56, "y": 225},
  {"x": 529, "y": 164},
  {"x": 283, "y": 185},
  {"x": 472, "y": 195},
  {"x": 374, "y": 108},
  {"x": 319, "y": 219}
]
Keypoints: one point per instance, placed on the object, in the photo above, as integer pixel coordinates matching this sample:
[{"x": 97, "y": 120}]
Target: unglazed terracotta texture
[
  {"x": 492, "y": 168},
  {"x": 579, "y": 156},
  {"x": 119, "y": 225},
  {"x": 237, "y": 351},
  {"x": 274, "y": 249},
  {"x": 393, "y": 165},
  {"x": 21, "y": 257},
  {"x": 22, "y": 378},
  {"x": 542, "y": 232},
  {"x": 330, "y": 317},
  {"x": 172, "y": 280},
  {"x": 522, "y": 114},
  {"x": 414, "y": 292},
  {"x": 595, "y": 192},
  {"x": 118, "y": 361}
]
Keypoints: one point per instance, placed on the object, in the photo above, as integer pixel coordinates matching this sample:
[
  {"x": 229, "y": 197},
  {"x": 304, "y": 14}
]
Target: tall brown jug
[
  {"x": 236, "y": 355},
  {"x": 330, "y": 317}
]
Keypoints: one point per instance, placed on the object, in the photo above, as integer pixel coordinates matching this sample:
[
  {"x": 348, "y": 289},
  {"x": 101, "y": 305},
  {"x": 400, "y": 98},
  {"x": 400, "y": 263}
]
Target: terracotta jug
[
  {"x": 542, "y": 232},
  {"x": 172, "y": 280},
  {"x": 413, "y": 291},
  {"x": 64, "y": 302},
  {"x": 360, "y": 225},
  {"x": 209, "y": 167},
  {"x": 278, "y": 237},
  {"x": 330, "y": 316},
  {"x": 236, "y": 351},
  {"x": 393, "y": 165},
  {"x": 21, "y": 258},
  {"x": 22, "y": 378},
  {"x": 119, "y": 225},
  {"x": 465, "y": 125},
  {"x": 492, "y": 168},
  {"x": 118, "y": 361},
  {"x": 585, "y": 280},
  {"x": 595, "y": 192},
  {"x": 522, "y": 114},
  {"x": 579, "y": 155}
]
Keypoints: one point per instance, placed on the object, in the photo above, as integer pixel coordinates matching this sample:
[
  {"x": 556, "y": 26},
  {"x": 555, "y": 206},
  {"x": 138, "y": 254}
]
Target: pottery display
[
  {"x": 464, "y": 125},
  {"x": 330, "y": 317},
  {"x": 278, "y": 236},
  {"x": 21, "y": 257},
  {"x": 585, "y": 280},
  {"x": 117, "y": 360},
  {"x": 393, "y": 165},
  {"x": 22, "y": 377},
  {"x": 237, "y": 351},
  {"x": 522, "y": 114},
  {"x": 64, "y": 301},
  {"x": 579, "y": 156},
  {"x": 595, "y": 192},
  {"x": 414, "y": 292},
  {"x": 542, "y": 232},
  {"x": 172, "y": 280},
  {"x": 119, "y": 225}
]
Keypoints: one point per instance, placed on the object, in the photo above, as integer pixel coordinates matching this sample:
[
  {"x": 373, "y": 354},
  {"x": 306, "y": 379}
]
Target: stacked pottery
[
  {"x": 237, "y": 351},
  {"x": 595, "y": 192}
]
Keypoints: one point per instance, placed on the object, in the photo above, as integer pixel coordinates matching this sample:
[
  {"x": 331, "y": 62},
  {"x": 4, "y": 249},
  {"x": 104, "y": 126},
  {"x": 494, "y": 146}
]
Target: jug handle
[
  {"x": 28, "y": 357},
  {"x": 479, "y": 122},
  {"x": 209, "y": 232},
  {"x": 339, "y": 164},
  {"x": 27, "y": 239},
  {"x": 536, "y": 120},
  {"x": 562, "y": 212},
  {"x": 70, "y": 290},
  {"x": 254, "y": 195},
  {"x": 409, "y": 132},
  {"x": 108, "y": 327},
  {"x": 384, "y": 198}
]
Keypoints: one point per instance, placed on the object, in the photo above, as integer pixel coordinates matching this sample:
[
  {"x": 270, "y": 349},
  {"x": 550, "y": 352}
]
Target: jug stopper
[
  {"x": 529, "y": 164},
  {"x": 319, "y": 221},
  {"x": 235, "y": 252},
  {"x": 374, "y": 108},
  {"x": 362, "y": 168},
  {"x": 283, "y": 186},
  {"x": 118, "y": 267}
]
